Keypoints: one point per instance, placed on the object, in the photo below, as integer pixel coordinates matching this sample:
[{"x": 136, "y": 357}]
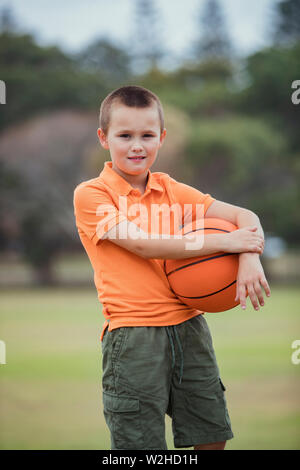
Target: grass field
[{"x": 50, "y": 386}]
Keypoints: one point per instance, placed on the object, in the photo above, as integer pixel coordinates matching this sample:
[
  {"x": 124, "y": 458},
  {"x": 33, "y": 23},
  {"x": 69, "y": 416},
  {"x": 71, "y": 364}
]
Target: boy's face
[{"x": 132, "y": 132}]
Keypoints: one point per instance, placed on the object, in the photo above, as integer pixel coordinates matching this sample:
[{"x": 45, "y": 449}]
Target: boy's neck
[{"x": 136, "y": 181}]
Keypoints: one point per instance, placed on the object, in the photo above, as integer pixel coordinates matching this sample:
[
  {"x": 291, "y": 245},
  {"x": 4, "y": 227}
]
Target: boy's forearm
[
  {"x": 192, "y": 245},
  {"x": 180, "y": 248},
  {"x": 131, "y": 237},
  {"x": 246, "y": 218}
]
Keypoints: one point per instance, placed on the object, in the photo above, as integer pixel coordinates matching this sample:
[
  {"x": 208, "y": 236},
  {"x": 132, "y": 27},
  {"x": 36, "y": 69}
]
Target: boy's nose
[{"x": 137, "y": 146}]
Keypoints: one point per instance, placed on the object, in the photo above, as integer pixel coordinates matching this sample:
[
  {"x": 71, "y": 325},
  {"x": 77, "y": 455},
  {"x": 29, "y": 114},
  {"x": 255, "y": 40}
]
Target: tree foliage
[
  {"x": 145, "y": 40},
  {"x": 213, "y": 40},
  {"x": 106, "y": 59},
  {"x": 44, "y": 78},
  {"x": 287, "y": 22}
]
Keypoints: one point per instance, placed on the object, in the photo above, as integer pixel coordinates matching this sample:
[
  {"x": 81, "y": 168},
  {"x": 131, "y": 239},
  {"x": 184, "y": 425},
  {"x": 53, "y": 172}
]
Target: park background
[{"x": 233, "y": 131}]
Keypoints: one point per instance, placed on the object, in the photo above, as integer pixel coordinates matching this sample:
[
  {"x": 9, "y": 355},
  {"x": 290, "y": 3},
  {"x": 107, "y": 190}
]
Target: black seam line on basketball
[
  {"x": 207, "y": 228},
  {"x": 208, "y": 295},
  {"x": 199, "y": 261}
]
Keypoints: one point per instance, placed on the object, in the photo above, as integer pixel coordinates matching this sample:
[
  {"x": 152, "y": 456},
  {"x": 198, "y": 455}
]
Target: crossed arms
[{"x": 248, "y": 241}]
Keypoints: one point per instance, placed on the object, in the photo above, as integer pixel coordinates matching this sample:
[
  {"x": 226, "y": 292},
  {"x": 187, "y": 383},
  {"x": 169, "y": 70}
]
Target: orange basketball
[{"x": 206, "y": 283}]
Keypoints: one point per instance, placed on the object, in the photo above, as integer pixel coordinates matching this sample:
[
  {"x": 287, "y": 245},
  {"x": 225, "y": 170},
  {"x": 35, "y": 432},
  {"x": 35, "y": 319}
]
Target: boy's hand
[
  {"x": 251, "y": 278},
  {"x": 244, "y": 240}
]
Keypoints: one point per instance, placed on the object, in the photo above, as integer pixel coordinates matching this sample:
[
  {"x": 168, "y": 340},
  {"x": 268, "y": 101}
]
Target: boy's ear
[
  {"x": 102, "y": 138},
  {"x": 162, "y": 137}
]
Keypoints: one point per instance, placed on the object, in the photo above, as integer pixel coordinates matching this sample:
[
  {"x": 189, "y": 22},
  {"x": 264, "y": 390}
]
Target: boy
[{"x": 158, "y": 355}]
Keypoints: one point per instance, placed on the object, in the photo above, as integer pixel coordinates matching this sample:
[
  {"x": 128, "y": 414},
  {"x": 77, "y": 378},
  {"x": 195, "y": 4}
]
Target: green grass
[{"x": 50, "y": 388}]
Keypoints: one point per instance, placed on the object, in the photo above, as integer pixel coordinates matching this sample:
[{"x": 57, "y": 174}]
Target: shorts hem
[{"x": 204, "y": 439}]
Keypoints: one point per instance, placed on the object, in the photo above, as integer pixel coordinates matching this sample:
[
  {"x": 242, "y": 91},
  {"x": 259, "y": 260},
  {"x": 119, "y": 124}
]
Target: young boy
[{"x": 158, "y": 355}]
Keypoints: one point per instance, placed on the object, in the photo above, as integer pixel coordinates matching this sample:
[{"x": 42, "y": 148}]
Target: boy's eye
[{"x": 127, "y": 135}]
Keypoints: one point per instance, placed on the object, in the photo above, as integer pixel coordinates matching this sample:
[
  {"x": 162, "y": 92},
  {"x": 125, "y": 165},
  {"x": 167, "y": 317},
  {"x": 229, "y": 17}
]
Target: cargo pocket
[
  {"x": 122, "y": 415},
  {"x": 208, "y": 409},
  {"x": 222, "y": 385}
]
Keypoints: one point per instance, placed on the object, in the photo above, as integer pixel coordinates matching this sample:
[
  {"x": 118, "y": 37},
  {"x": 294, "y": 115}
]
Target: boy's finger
[
  {"x": 266, "y": 287},
  {"x": 253, "y": 297},
  {"x": 259, "y": 293},
  {"x": 237, "y": 292},
  {"x": 242, "y": 296}
]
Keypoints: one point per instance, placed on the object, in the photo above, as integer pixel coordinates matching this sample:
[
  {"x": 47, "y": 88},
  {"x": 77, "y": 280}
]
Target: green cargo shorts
[{"x": 152, "y": 371}]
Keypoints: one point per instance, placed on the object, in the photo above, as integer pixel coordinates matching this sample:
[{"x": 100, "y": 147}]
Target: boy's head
[
  {"x": 133, "y": 97},
  {"x": 131, "y": 124}
]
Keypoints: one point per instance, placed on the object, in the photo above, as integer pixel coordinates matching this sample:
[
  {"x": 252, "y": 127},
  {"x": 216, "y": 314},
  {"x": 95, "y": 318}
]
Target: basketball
[{"x": 206, "y": 283}]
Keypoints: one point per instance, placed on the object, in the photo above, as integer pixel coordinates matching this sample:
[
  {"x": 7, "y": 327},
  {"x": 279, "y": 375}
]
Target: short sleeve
[
  {"x": 193, "y": 202},
  {"x": 94, "y": 210}
]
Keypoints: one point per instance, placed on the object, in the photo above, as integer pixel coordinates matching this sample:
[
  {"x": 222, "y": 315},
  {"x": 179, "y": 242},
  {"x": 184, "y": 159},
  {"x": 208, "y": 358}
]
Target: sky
[{"x": 73, "y": 24}]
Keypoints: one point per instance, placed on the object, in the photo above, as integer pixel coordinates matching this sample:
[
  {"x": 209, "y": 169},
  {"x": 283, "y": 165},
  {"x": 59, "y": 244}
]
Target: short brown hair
[{"x": 132, "y": 96}]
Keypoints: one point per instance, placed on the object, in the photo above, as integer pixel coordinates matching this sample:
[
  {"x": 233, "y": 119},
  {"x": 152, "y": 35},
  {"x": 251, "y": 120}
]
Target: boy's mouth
[{"x": 137, "y": 158}]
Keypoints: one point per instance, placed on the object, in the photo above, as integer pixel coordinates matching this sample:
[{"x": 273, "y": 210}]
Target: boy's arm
[
  {"x": 251, "y": 275},
  {"x": 129, "y": 236},
  {"x": 98, "y": 217}
]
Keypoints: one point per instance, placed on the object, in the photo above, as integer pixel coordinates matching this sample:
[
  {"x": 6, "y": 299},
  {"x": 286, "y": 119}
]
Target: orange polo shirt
[{"x": 134, "y": 291}]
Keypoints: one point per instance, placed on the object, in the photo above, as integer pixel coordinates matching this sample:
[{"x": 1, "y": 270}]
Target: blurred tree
[
  {"x": 226, "y": 154},
  {"x": 240, "y": 160},
  {"x": 43, "y": 78},
  {"x": 146, "y": 42},
  {"x": 7, "y": 20},
  {"x": 209, "y": 99},
  {"x": 41, "y": 162},
  {"x": 21, "y": 49},
  {"x": 287, "y": 22},
  {"x": 271, "y": 74},
  {"x": 10, "y": 181},
  {"x": 104, "y": 58},
  {"x": 210, "y": 61},
  {"x": 213, "y": 41}
]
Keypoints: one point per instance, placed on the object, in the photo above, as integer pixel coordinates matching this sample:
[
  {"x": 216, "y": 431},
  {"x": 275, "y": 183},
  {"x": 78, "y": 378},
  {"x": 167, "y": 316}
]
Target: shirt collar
[{"x": 120, "y": 185}]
